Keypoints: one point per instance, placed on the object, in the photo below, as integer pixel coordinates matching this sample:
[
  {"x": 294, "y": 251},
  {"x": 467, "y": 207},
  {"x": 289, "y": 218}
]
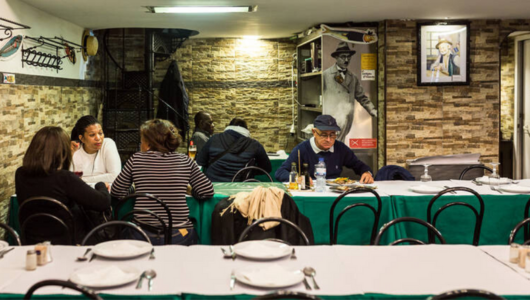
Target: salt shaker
[
  {"x": 31, "y": 260},
  {"x": 48, "y": 245},
  {"x": 514, "y": 253}
]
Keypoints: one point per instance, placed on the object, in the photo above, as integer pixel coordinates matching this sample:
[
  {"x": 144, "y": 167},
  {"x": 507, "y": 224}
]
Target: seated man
[
  {"x": 203, "y": 129},
  {"x": 323, "y": 144},
  {"x": 226, "y": 153}
]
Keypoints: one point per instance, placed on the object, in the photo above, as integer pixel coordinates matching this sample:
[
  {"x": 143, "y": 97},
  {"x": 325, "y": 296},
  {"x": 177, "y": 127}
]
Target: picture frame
[{"x": 443, "y": 53}]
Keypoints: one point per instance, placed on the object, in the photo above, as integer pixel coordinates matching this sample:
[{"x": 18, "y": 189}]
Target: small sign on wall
[
  {"x": 9, "y": 78},
  {"x": 363, "y": 143}
]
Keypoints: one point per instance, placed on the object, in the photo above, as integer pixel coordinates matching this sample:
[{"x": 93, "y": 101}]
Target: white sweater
[{"x": 104, "y": 165}]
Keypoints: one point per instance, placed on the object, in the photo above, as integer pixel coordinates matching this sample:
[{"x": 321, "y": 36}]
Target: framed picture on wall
[{"x": 443, "y": 53}]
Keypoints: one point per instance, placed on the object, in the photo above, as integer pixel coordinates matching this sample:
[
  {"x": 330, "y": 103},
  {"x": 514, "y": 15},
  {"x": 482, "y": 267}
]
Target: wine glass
[
  {"x": 494, "y": 178},
  {"x": 426, "y": 177}
]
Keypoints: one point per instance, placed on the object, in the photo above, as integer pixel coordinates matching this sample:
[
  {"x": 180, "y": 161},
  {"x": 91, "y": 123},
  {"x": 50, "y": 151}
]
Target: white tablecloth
[{"x": 341, "y": 270}]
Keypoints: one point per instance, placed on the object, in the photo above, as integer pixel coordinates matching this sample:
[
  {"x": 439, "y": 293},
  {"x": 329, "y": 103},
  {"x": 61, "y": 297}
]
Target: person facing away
[
  {"x": 204, "y": 127},
  {"x": 342, "y": 89},
  {"x": 324, "y": 144},
  {"x": 94, "y": 154},
  {"x": 161, "y": 171},
  {"x": 44, "y": 172},
  {"x": 230, "y": 151}
]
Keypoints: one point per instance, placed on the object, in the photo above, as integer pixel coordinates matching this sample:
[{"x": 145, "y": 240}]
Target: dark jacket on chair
[
  {"x": 393, "y": 172},
  {"x": 227, "y": 229}
]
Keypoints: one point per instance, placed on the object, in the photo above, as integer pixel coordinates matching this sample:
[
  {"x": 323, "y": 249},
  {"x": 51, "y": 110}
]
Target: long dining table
[
  {"x": 501, "y": 212},
  {"x": 342, "y": 272}
]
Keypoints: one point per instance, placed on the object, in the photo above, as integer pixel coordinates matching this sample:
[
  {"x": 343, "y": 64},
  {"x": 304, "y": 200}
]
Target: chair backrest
[
  {"x": 478, "y": 215},
  {"x": 465, "y": 293},
  {"x": 473, "y": 167},
  {"x": 150, "y": 197},
  {"x": 514, "y": 231},
  {"x": 11, "y": 233},
  {"x": 283, "y": 221},
  {"x": 146, "y": 212},
  {"x": 249, "y": 169},
  {"x": 118, "y": 224},
  {"x": 333, "y": 228},
  {"x": 65, "y": 284},
  {"x": 36, "y": 213},
  {"x": 286, "y": 295},
  {"x": 410, "y": 240},
  {"x": 526, "y": 216}
]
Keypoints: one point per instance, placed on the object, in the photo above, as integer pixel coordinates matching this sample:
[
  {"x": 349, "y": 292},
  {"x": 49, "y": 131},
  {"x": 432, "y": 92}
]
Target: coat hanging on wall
[{"x": 173, "y": 91}]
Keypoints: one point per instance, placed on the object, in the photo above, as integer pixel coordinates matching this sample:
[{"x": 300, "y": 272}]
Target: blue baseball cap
[{"x": 326, "y": 122}]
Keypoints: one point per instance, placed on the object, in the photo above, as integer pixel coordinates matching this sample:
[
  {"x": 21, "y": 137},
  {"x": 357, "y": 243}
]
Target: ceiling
[{"x": 274, "y": 18}]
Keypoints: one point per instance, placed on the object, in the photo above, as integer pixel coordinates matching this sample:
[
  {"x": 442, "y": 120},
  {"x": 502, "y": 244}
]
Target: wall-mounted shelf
[
  {"x": 314, "y": 109},
  {"x": 310, "y": 74},
  {"x": 8, "y": 29}
]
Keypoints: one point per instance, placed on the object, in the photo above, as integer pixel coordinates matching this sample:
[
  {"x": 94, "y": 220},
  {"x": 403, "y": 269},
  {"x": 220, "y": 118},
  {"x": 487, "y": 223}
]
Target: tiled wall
[
  {"x": 26, "y": 109},
  {"x": 426, "y": 121}
]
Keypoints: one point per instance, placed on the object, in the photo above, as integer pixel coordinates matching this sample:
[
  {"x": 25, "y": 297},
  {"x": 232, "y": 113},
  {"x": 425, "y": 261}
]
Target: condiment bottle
[
  {"x": 293, "y": 177},
  {"x": 527, "y": 258},
  {"x": 307, "y": 177},
  {"x": 514, "y": 253},
  {"x": 41, "y": 259},
  {"x": 31, "y": 260},
  {"x": 522, "y": 256},
  {"x": 48, "y": 253}
]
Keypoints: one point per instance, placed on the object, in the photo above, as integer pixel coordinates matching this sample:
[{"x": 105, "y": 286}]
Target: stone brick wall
[
  {"x": 426, "y": 121},
  {"x": 26, "y": 109},
  {"x": 381, "y": 114}
]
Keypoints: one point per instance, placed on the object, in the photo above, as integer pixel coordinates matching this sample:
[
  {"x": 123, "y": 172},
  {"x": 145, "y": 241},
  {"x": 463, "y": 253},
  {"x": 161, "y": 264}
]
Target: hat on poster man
[
  {"x": 326, "y": 122},
  {"x": 343, "y": 47}
]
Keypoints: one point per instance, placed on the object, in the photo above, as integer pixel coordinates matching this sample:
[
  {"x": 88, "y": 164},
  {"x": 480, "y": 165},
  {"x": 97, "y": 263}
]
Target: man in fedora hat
[
  {"x": 342, "y": 88},
  {"x": 324, "y": 144},
  {"x": 448, "y": 62}
]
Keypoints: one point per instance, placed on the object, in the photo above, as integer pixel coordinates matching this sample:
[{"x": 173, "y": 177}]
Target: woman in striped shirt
[{"x": 160, "y": 171}]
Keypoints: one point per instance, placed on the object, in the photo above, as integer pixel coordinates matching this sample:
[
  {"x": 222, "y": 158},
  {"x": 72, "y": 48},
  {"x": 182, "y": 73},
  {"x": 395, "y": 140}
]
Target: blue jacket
[
  {"x": 392, "y": 172},
  {"x": 243, "y": 150},
  {"x": 342, "y": 156}
]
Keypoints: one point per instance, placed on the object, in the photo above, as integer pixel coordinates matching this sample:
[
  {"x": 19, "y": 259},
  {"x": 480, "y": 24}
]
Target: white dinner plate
[
  {"x": 105, "y": 276},
  {"x": 269, "y": 276},
  {"x": 262, "y": 250},
  {"x": 426, "y": 189},
  {"x": 122, "y": 249},
  {"x": 486, "y": 180},
  {"x": 3, "y": 245},
  {"x": 515, "y": 188},
  {"x": 338, "y": 184}
]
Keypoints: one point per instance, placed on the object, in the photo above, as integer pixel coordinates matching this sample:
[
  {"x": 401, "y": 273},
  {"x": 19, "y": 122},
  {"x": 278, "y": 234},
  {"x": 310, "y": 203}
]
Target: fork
[
  {"x": 448, "y": 187},
  {"x": 293, "y": 254},
  {"x": 495, "y": 189},
  {"x": 152, "y": 255},
  {"x": 232, "y": 280},
  {"x": 232, "y": 252},
  {"x": 5, "y": 252}
]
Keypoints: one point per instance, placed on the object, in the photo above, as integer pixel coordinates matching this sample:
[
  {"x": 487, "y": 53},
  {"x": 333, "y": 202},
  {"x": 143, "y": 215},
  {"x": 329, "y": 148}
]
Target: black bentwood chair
[
  {"x": 467, "y": 293},
  {"x": 278, "y": 295},
  {"x": 526, "y": 216},
  {"x": 514, "y": 231},
  {"x": 283, "y": 221},
  {"x": 333, "y": 229},
  {"x": 155, "y": 199},
  {"x": 245, "y": 174},
  {"x": 134, "y": 212},
  {"x": 471, "y": 168},
  {"x": 479, "y": 216},
  {"x": 11, "y": 233},
  {"x": 37, "y": 213},
  {"x": 409, "y": 240},
  {"x": 119, "y": 225},
  {"x": 65, "y": 284}
]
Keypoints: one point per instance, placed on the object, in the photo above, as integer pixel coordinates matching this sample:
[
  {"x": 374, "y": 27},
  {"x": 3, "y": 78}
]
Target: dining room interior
[{"x": 122, "y": 61}]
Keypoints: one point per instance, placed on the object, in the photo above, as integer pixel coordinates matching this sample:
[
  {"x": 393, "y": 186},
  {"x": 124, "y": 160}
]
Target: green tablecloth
[{"x": 501, "y": 214}]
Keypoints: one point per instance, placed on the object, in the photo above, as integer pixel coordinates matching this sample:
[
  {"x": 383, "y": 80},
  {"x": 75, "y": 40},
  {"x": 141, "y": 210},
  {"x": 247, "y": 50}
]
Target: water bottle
[{"x": 320, "y": 174}]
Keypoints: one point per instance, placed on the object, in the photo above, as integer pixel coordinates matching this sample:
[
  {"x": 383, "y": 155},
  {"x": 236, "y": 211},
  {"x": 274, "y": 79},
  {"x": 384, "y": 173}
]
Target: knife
[
  {"x": 232, "y": 280},
  {"x": 92, "y": 258}
]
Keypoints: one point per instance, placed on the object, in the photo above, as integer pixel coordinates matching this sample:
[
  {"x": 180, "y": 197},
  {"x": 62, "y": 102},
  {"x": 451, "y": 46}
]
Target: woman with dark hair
[
  {"x": 44, "y": 172},
  {"x": 97, "y": 157},
  {"x": 160, "y": 171}
]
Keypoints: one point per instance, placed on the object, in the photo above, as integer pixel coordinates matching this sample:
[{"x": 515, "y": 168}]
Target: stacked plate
[
  {"x": 122, "y": 249},
  {"x": 515, "y": 188},
  {"x": 262, "y": 250},
  {"x": 103, "y": 276},
  {"x": 426, "y": 189}
]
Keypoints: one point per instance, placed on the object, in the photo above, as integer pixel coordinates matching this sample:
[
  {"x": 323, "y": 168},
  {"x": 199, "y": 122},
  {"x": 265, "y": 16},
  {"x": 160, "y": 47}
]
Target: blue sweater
[{"x": 342, "y": 156}]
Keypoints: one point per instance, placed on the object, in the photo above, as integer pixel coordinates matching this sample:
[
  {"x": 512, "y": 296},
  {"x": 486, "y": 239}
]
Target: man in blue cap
[{"x": 324, "y": 144}]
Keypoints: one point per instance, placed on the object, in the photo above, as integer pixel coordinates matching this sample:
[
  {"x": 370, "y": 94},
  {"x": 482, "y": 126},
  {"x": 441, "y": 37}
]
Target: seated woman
[
  {"x": 97, "y": 157},
  {"x": 45, "y": 173},
  {"x": 160, "y": 171}
]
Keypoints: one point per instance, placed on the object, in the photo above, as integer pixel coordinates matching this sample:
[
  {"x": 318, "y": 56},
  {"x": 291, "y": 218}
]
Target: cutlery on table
[
  {"x": 307, "y": 286},
  {"x": 84, "y": 258},
  {"x": 92, "y": 258},
  {"x": 5, "y": 252},
  {"x": 448, "y": 187},
  {"x": 495, "y": 189},
  {"x": 139, "y": 284},
  {"x": 152, "y": 255},
  {"x": 226, "y": 253},
  {"x": 293, "y": 254},
  {"x": 308, "y": 271},
  {"x": 476, "y": 182},
  {"x": 232, "y": 280},
  {"x": 150, "y": 275},
  {"x": 232, "y": 252}
]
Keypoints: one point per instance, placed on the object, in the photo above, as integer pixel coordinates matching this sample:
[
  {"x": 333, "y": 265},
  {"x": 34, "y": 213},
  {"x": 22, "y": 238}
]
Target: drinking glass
[
  {"x": 426, "y": 177},
  {"x": 79, "y": 173},
  {"x": 494, "y": 178},
  {"x": 192, "y": 151}
]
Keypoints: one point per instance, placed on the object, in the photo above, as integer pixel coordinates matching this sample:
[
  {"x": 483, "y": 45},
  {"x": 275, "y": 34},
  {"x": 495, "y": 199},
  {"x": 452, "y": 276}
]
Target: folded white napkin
[{"x": 104, "y": 275}]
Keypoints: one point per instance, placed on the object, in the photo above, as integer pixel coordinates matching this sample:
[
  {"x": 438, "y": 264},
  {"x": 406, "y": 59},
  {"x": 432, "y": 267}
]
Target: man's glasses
[{"x": 326, "y": 136}]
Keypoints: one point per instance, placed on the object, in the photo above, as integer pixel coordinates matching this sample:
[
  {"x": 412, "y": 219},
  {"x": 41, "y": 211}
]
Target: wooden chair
[
  {"x": 409, "y": 240},
  {"x": 249, "y": 169},
  {"x": 471, "y": 168},
  {"x": 264, "y": 220}
]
